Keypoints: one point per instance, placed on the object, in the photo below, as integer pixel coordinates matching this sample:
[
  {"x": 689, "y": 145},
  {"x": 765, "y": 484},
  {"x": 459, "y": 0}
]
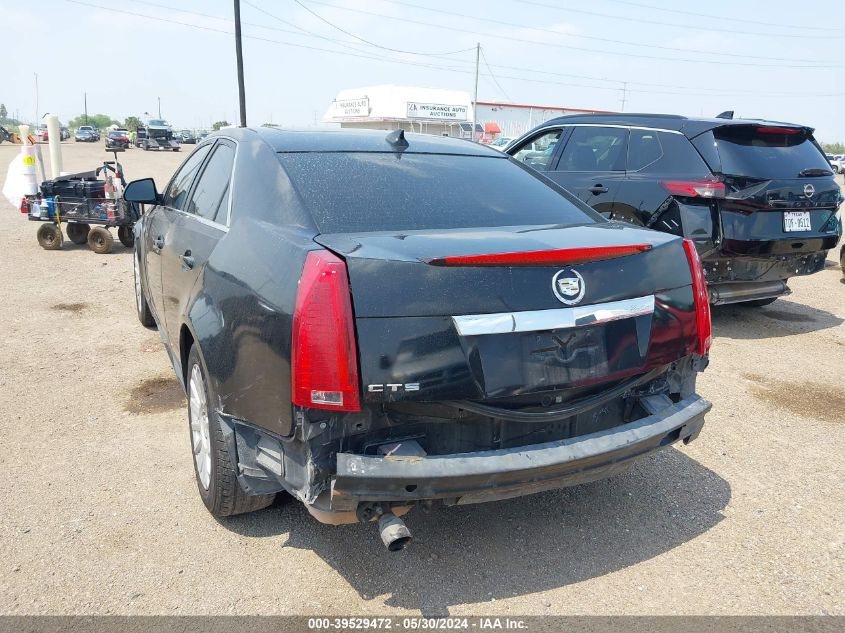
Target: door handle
[
  {"x": 158, "y": 243},
  {"x": 187, "y": 261},
  {"x": 597, "y": 189}
]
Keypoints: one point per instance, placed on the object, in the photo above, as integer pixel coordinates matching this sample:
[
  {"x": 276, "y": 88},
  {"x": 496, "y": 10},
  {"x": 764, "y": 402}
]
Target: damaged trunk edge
[{"x": 363, "y": 466}]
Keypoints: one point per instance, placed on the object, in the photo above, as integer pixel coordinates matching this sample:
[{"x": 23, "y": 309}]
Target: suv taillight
[
  {"x": 701, "y": 299},
  {"x": 695, "y": 188},
  {"x": 324, "y": 369}
]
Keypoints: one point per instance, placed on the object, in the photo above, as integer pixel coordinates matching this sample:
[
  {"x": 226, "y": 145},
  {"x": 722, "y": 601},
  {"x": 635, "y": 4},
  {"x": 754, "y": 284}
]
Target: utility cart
[{"x": 87, "y": 204}]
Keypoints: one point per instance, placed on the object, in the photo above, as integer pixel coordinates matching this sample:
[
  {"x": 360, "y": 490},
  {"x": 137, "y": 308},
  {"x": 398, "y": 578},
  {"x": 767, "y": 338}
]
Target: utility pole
[
  {"x": 475, "y": 93},
  {"x": 85, "y": 103},
  {"x": 159, "y": 107},
  {"x": 239, "y": 54},
  {"x": 624, "y": 94},
  {"x": 36, "y": 99}
]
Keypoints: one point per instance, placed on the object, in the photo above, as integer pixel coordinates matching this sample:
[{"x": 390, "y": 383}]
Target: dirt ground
[{"x": 99, "y": 513}]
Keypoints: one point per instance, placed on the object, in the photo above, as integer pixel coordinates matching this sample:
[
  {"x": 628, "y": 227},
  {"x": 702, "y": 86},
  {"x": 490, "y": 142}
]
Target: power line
[
  {"x": 408, "y": 62},
  {"x": 720, "y": 29},
  {"x": 540, "y": 29},
  {"x": 711, "y": 16},
  {"x": 354, "y": 47},
  {"x": 386, "y": 48},
  {"x": 492, "y": 76},
  {"x": 571, "y": 47}
]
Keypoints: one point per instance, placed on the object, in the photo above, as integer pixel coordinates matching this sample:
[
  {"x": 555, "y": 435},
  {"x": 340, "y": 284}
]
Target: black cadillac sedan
[{"x": 372, "y": 322}]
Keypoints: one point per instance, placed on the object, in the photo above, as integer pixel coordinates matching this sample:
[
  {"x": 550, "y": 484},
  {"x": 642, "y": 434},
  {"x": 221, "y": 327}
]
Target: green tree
[
  {"x": 218, "y": 124},
  {"x": 834, "y": 148},
  {"x": 132, "y": 123},
  {"x": 99, "y": 121},
  {"x": 3, "y": 112}
]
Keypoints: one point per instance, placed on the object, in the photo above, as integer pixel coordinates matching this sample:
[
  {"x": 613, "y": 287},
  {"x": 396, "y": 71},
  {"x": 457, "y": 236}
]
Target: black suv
[{"x": 758, "y": 198}]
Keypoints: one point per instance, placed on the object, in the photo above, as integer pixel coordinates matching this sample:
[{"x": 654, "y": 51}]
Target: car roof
[
  {"x": 689, "y": 126},
  {"x": 356, "y": 140}
]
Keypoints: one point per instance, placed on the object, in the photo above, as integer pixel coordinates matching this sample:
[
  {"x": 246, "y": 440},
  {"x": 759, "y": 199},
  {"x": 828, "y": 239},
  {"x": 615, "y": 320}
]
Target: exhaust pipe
[{"x": 393, "y": 531}]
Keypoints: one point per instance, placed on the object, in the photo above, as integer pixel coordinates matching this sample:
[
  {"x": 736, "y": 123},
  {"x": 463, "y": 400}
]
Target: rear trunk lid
[
  {"x": 540, "y": 334},
  {"x": 781, "y": 197}
]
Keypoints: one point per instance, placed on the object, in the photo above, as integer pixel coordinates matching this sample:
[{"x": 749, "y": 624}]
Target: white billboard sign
[
  {"x": 351, "y": 108},
  {"x": 437, "y": 111}
]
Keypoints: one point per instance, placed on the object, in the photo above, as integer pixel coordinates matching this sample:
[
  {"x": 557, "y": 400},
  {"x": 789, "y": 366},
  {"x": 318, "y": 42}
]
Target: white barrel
[
  {"x": 54, "y": 134},
  {"x": 24, "y": 132}
]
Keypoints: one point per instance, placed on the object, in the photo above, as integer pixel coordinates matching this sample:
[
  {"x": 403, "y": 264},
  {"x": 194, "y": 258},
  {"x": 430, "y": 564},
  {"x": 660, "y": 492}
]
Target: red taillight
[
  {"x": 695, "y": 188},
  {"x": 324, "y": 369},
  {"x": 778, "y": 130},
  {"x": 701, "y": 299},
  {"x": 24, "y": 205},
  {"x": 556, "y": 257}
]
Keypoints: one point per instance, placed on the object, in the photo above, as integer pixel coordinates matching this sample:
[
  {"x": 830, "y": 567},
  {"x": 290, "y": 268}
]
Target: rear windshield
[
  {"x": 767, "y": 152},
  {"x": 362, "y": 192}
]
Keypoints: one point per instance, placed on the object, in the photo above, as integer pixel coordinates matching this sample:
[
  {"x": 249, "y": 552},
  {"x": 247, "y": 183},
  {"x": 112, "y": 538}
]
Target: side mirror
[{"x": 142, "y": 191}]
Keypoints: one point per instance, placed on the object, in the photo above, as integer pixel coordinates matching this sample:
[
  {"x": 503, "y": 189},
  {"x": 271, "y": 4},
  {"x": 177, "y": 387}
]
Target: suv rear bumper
[
  {"x": 500, "y": 474},
  {"x": 728, "y": 268}
]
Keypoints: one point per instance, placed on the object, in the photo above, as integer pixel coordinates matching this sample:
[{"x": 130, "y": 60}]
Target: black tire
[
  {"x": 100, "y": 240},
  {"x": 142, "y": 308},
  {"x": 77, "y": 232},
  {"x": 126, "y": 236},
  {"x": 758, "y": 303},
  {"x": 146, "y": 147},
  {"x": 50, "y": 236},
  {"x": 224, "y": 496}
]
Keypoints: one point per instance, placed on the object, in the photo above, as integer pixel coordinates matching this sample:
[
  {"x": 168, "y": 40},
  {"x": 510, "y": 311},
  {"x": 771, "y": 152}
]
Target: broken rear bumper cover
[{"x": 500, "y": 474}]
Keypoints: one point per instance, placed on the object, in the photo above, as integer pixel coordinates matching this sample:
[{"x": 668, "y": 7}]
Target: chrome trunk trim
[{"x": 555, "y": 319}]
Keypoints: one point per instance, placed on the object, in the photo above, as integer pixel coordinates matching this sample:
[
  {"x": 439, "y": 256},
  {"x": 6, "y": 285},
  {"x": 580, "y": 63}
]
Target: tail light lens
[
  {"x": 695, "y": 188},
  {"x": 779, "y": 130},
  {"x": 24, "y": 208},
  {"x": 324, "y": 369},
  {"x": 701, "y": 299}
]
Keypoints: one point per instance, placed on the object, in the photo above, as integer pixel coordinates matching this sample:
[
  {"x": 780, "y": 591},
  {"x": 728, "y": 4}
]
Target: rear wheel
[
  {"x": 126, "y": 235},
  {"x": 50, "y": 236},
  {"x": 214, "y": 466},
  {"x": 100, "y": 240},
  {"x": 77, "y": 232},
  {"x": 141, "y": 305}
]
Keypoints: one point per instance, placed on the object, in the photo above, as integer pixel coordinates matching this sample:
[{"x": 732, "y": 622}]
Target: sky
[{"x": 764, "y": 59}]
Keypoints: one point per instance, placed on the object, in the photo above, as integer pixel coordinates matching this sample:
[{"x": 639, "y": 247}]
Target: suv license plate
[{"x": 796, "y": 221}]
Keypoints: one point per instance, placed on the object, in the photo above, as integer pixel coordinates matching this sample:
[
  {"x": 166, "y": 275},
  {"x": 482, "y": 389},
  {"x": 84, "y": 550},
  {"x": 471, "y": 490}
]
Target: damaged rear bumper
[{"x": 499, "y": 474}]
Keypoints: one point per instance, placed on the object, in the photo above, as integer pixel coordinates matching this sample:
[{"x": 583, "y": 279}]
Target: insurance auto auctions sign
[
  {"x": 436, "y": 111},
  {"x": 351, "y": 107}
]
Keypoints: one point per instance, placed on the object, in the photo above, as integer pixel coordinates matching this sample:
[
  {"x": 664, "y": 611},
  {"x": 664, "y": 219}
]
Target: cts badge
[
  {"x": 394, "y": 387},
  {"x": 568, "y": 286}
]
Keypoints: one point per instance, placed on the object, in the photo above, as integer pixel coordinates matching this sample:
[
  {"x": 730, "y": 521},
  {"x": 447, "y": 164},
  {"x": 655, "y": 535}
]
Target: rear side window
[
  {"x": 210, "y": 199},
  {"x": 644, "y": 149},
  {"x": 675, "y": 155},
  {"x": 595, "y": 149},
  {"x": 177, "y": 190},
  {"x": 767, "y": 152},
  {"x": 361, "y": 192}
]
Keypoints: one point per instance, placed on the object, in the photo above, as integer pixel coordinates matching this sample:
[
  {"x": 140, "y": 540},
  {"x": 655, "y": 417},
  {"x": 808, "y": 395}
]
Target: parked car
[
  {"x": 187, "y": 137},
  {"x": 157, "y": 134},
  {"x": 65, "y": 133},
  {"x": 837, "y": 163},
  {"x": 433, "y": 324},
  {"x": 87, "y": 134},
  {"x": 41, "y": 134},
  {"x": 757, "y": 198},
  {"x": 117, "y": 139}
]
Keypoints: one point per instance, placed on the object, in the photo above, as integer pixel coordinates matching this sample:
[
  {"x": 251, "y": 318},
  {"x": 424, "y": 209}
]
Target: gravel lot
[{"x": 100, "y": 513}]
